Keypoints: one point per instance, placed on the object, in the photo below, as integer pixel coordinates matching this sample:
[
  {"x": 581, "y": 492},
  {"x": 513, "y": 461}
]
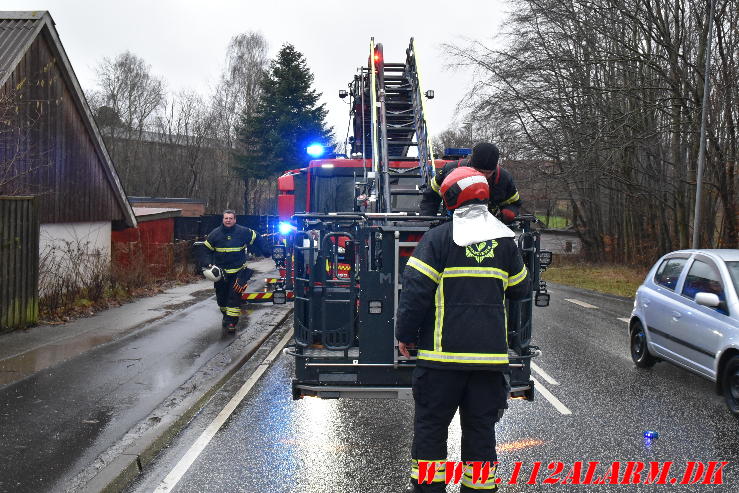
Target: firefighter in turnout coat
[
  {"x": 223, "y": 259},
  {"x": 504, "y": 200},
  {"x": 452, "y": 308}
]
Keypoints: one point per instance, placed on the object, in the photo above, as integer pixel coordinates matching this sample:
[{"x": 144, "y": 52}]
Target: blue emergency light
[
  {"x": 315, "y": 150},
  {"x": 285, "y": 228}
]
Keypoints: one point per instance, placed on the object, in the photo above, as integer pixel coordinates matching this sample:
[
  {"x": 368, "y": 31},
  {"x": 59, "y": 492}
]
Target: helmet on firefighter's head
[
  {"x": 213, "y": 273},
  {"x": 464, "y": 186}
]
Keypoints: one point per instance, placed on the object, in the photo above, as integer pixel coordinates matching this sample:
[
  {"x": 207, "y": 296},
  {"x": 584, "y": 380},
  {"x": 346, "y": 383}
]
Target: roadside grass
[
  {"x": 555, "y": 222},
  {"x": 618, "y": 280}
]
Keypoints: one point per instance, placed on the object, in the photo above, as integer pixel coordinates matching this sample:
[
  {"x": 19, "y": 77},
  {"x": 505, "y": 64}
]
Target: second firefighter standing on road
[
  {"x": 223, "y": 259},
  {"x": 453, "y": 308}
]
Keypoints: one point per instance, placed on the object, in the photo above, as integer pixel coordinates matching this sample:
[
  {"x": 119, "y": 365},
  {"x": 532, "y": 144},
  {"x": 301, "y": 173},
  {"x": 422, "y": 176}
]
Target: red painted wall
[{"x": 151, "y": 242}]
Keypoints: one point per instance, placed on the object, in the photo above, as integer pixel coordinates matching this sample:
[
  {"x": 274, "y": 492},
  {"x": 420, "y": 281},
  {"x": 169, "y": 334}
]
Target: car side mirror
[{"x": 710, "y": 300}]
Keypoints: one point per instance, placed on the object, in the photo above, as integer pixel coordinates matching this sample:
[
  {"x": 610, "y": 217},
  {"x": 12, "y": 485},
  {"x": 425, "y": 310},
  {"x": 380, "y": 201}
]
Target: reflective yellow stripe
[
  {"x": 478, "y": 358},
  {"x": 425, "y": 269},
  {"x": 253, "y": 236},
  {"x": 439, "y": 473},
  {"x": 435, "y": 186},
  {"x": 233, "y": 312},
  {"x": 439, "y": 322},
  {"x": 518, "y": 277},
  {"x": 514, "y": 198},
  {"x": 233, "y": 271},
  {"x": 208, "y": 245},
  {"x": 476, "y": 272},
  {"x": 488, "y": 485},
  {"x": 223, "y": 309},
  {"x": 230, "y": 249},
  {"x": 468, "y": 477}
]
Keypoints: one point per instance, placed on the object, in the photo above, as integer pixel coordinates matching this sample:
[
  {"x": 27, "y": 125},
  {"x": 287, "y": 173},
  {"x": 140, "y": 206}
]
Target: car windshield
[{"x": 734, "y": 271}]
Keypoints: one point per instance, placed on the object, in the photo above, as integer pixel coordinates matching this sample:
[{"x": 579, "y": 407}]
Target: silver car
[{"x": 687, "y": 312}]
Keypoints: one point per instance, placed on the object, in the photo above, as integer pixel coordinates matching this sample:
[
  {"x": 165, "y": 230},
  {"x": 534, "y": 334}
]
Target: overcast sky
[{"x": 185, "y": 41}]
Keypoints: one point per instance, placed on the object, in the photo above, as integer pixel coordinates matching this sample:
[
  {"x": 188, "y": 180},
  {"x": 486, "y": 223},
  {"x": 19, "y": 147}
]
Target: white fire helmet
[{"x": 213, "y": 273}]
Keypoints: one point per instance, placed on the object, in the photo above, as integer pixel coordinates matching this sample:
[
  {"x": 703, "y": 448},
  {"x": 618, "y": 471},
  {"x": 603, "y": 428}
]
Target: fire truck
[{"x": 351, "y": 225}]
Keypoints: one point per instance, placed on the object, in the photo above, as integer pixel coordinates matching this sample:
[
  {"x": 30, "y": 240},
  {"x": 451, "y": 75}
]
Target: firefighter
[
  {"x": 452, "y": 308},
  {"x": 223, "y": 259},
  {"x": 504, "y": 199}
]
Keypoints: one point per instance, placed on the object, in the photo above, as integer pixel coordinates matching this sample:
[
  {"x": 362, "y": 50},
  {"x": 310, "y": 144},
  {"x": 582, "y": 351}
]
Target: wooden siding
[
  {"x": 52, "y": 145},
  {"x": 19, "y": 240}
]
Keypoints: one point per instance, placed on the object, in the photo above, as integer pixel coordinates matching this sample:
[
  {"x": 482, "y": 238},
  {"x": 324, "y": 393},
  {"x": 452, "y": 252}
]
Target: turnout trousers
[
  {"x": 229, "y": 300},
  {"x": 480, "y": 397}
]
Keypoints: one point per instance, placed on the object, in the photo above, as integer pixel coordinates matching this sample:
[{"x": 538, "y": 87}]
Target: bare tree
[
  {"x": 609, "y": 92},
  {"x": 125, "y": 103},
  {"x": 237, "y": 95},
  {"x": 22, "y": 153}
]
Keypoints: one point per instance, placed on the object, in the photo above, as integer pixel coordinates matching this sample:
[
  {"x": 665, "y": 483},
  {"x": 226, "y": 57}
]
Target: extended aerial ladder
[{"x": 347, "y": 263}]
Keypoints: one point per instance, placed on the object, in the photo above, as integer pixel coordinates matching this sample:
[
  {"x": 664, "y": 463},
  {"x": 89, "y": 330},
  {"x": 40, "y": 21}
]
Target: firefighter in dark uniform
[
  {"x": 226, "y": 248},
  {"x": 452, "y": 308},
  {"x": 504, "y": 199}
]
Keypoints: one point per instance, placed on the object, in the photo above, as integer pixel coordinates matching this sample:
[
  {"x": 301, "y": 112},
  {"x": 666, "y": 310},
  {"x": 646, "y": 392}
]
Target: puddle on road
[{"x": 23, "y": 365}]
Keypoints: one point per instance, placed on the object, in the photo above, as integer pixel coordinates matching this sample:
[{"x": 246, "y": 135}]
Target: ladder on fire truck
[{"x": 393, "y": 123}]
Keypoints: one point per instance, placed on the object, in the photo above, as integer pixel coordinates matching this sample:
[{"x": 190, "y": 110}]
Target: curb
[{"x": 126, "y": 467}]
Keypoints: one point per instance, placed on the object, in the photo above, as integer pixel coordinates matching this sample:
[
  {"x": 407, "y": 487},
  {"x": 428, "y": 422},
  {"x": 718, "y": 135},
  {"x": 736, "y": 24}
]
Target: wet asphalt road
[
  {"x": 55, "y": 422},
  {"x": 274, "y": 444}
]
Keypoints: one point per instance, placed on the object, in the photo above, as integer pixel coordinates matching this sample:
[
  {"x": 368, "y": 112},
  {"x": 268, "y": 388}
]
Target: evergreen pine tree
[{"x": 287, "y": 119}]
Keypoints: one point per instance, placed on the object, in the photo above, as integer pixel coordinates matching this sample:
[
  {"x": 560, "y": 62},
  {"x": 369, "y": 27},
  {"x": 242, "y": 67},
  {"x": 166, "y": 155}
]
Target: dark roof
[
  {"x": 136, "y": 200},
  {"x": 18, "y": 30}
]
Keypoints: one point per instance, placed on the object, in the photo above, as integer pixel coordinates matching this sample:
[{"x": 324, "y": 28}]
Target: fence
[{"x": 19, "y": 244}]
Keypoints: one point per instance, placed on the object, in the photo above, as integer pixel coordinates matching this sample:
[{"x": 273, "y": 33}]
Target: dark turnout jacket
[
  {"x": 453, "y": 300},
  {"x": 227, "y": 247},
  {"x": 503, "y": 192}
]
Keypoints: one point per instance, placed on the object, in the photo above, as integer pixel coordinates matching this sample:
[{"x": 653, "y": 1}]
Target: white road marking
[
  {"x": 624, "y": 320},
  {"x": 543, "y": 374},
  {"x": 196, "y": 449},
  {"x": 550, "y": 397},
  {"x": 581, "y": 303}
]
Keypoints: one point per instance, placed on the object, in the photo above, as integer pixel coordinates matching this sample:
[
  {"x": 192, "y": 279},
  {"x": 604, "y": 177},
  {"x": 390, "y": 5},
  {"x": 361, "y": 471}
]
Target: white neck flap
[{"x": 474, "y": 223}]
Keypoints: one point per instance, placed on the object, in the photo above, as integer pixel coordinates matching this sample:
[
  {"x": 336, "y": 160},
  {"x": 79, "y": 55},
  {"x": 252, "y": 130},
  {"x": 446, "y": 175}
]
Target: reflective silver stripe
[
  {"x": 253, "y": 236},
  {"x": 425, "y": 269},
  {"x": 483, "y": 358},
  {"x": 487, "y": 485},
  {"x": 208, "y": 245},
  {"x": 439, "y": 319},
  {"x": 469, "y": 472},
  {"x": 439, "y": 472},
  {"x": 518, "y": 277},
  {"x": 475, "y": 272},
  {"x": 511, "y": 200},
  {"x": 230, "y": 249}
]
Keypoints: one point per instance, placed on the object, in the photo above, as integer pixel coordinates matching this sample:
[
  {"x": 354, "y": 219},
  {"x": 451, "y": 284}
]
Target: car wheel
[
  {"x": 639, "y": 352},
  {"x": 730, "y": 380}
]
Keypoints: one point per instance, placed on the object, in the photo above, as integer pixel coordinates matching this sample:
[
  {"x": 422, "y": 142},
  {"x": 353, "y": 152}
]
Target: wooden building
[
  {"x": 50, "y": 146},
  {"x": 51, "y": 150}
]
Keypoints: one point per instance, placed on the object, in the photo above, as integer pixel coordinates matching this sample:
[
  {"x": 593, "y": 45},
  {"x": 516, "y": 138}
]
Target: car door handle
[{"x": 676, "y": 314}]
